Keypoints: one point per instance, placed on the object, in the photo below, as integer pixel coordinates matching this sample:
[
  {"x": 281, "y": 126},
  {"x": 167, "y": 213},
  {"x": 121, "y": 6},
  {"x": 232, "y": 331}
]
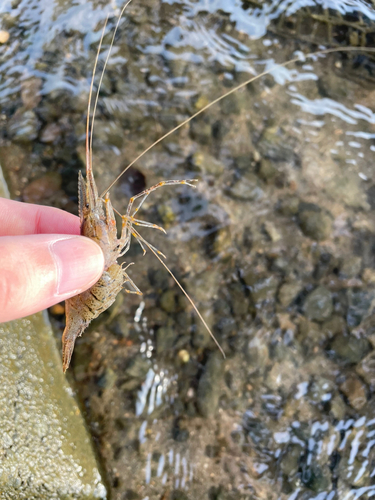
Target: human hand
[{"x": 43, "y": 260}]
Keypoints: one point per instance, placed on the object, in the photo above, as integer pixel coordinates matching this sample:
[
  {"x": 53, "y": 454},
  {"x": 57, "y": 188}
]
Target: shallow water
[{"x": 276, "y": 245}]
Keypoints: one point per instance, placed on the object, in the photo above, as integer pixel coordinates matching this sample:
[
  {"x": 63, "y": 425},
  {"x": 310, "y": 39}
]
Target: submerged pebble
[
  {"x": 23, "y": 126},
  {"x": 349, "y": 349},
  {"x": 355, "y": 391},
  {"x": 247, "y": 189},
  {"x": 288, "y": 292},
  {"x": 209, "y": 386},
  {"x": 318, "y": 304},
  {"x": 314, "y": 223}
]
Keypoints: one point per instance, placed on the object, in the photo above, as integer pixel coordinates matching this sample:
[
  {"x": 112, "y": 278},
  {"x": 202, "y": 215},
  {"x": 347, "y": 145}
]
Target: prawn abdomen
[{"x": 88, "y": 305}]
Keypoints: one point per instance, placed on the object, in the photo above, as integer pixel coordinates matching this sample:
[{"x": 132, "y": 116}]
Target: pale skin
[{"x": 43, "y": 258}]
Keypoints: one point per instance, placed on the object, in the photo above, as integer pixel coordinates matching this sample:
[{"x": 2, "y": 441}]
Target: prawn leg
[{"x": 146, "y": 192}]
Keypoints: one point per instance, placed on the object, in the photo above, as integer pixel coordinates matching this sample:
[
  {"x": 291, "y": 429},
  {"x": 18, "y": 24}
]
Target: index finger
[{"x": 17, "y": 218}]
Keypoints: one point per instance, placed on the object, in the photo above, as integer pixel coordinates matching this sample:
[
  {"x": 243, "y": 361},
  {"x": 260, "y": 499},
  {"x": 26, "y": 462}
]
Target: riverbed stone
[
  {"x": 246, "y": 189},
  {"x": 314, "y": 222},
  {"x": 318, "y": 305},
  {"x": 23, "y": 126},
  {"x": 210, "y": 385},
  {"x": 366, "y": 369},
  {"x": 349, "y": 349},
  {"x": 355, "y": 390},
  {"x": 288, "y": 205},
  {"x": 207, "y": 163},
  {"x": 288, "y": 292}
]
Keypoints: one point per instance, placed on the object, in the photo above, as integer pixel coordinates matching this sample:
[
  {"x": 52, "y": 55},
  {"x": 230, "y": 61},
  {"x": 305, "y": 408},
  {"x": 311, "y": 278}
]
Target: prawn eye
[{"x": 87, "y": 205}]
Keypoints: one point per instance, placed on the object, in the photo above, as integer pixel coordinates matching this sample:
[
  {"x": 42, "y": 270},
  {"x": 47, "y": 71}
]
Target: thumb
[{"x": 37, "y": 271}]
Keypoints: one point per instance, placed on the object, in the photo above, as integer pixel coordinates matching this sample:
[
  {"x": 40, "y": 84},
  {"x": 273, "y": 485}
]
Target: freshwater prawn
[{"x": 97, "y": 217}]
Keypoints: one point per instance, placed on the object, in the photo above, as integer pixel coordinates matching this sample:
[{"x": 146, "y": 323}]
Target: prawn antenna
[
  {"x": 88, "y": 153},
  {"x": 235, "y": 89},
  {"x": 151, "y": 248},
  {"x": 103, "y": 71}
]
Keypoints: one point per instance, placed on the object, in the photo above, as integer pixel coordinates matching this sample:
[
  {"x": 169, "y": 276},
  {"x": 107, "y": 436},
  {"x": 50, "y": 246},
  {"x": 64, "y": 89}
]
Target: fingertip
[
  {"x": 79, "y": 262},
  {"x": 38, "y": 271}
]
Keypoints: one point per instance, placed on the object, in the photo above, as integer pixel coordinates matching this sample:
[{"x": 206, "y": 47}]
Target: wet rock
[
  {"x": 291, "y": 460},
  {"x": 137, "y": 367},
  {"x": 282, "y": 376},
  {"x": 333, "y": 326},
  {"x": 325, "y": 263},
  {"x": 338, "y": 408},
  {"x": 316, "y": 478},
  {"x": 131, "y": 495},
  {"x": 51, "y": 133},
  {"x": 347, "y": 189},
  {"x": 166, "y": 214},
  {"x": 165, "y": 338},
  {"x": 23, "y": 126},
  {"x": 286, "y": 324},
  {"x": 265, "y": 289},
  {"x": 272, "y": 232},
  {"x": 313, "y": 222},
  {"x": 108, "y": 379},
  {"x": 220, "y": 493},
  {"x": 108, "y": 134},
  {"x": 222, "y": 243},
  {"x": 311, "y": 333},
  {"x": 288, "y": 292},
  {"x": 349, "y": 349},
  {"x": 240, "y": 305},
  {"x": 247, "y": 189},
  {"x": 201, "y": 102},
  {"x": 120, "y": 326},
  {"x": 289, "y": 205},
  {"x": 178, "y": 495},
  {"x": 257, "y": 353},
  {"x": 201, "y": 131},
  {"x": 368, "y": 275},
  {"x": 231, "y": 104},
  {"x": 210, "y": 385},
  {"x": 360, "y": 303},
  {"x": 256, "y": 429},
  {"x": 212, "y": 451},
  {"x": 43, "y": 189},
  {"x": 321, "y": 390},
  {"x": 180, "y": 431},
  {"x": 351, "y": 267},
  {"x": 207, "y": 163},
  {"x": 318, "y": 304},
  {"x": 168, "y": 301},
  {"x": 355, "y": 391},
  {"x": 366, "y": 369},
  {"x": 267, "y": 170},
  {"x": 273, "y": 145},
  {"x": 30, "y": 92}
]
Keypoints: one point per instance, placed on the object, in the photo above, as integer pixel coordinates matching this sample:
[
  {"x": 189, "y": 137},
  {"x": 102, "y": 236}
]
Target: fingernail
[{"x": 79, "y": 263}]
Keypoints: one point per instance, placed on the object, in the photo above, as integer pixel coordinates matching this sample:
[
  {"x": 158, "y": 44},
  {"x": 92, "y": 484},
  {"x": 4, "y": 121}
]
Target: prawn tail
[{"x": 75, "y": 326}]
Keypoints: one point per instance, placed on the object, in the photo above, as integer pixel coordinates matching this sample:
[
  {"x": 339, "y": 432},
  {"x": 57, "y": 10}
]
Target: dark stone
[
  {"x": 349, "y": 349},
  {"x": 313, "y": 222}
]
